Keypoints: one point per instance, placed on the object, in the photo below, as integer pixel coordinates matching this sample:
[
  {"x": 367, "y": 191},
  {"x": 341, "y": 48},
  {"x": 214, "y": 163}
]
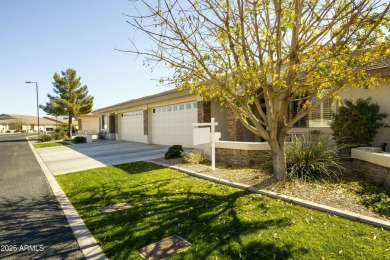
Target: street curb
[
  {"x": 305, "y": 203},
  {"x": 86, "y": 241}
]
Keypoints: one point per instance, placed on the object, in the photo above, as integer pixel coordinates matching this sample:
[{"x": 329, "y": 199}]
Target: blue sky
[{"x": 43, "y": 37}]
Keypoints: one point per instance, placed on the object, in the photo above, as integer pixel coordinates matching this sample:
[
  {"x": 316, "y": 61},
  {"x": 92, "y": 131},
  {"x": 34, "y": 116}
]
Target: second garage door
[
  {"x": 173, "y": 124},
  {"x": 132, "y": 126}
]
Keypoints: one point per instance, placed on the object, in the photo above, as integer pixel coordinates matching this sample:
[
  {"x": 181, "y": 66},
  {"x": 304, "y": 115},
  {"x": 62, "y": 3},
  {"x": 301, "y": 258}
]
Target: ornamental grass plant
[
  {"x": 195, "y": 157},
  {"x": 313, "y": 159}
]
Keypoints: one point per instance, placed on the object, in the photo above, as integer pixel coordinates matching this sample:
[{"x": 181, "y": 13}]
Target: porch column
[
  {"x": 204, "y": 111},
  {"x": 235, "y": 127}
]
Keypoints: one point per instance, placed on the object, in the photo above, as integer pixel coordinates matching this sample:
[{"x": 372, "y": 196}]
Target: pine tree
[{"x": 71, "y": 99}]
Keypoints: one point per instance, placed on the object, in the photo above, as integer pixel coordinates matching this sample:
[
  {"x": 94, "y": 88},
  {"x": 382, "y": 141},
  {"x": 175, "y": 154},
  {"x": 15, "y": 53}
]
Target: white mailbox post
[{"x": 203, "y": 136}]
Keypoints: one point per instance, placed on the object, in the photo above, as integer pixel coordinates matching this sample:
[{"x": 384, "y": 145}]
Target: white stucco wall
[
  {"x": 3, "y": 128},
  {"x": 41, "y": 127},
  {"x": 89, "y": 124},
  {"x": 381, "y": 96}
]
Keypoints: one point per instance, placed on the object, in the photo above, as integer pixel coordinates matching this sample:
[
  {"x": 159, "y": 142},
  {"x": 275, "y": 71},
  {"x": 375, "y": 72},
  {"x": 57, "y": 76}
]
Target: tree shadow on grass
[
  {"x": 212, "y": 217},
  {"x": 138, "y": 167}
]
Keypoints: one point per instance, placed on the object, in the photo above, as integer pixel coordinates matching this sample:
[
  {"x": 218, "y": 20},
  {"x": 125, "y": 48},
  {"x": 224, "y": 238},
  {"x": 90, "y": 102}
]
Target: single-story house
[
  {"x": 15, "y": 123},
  {"x": 167, "y": 118},
  {"x": 164, "y": 118}
]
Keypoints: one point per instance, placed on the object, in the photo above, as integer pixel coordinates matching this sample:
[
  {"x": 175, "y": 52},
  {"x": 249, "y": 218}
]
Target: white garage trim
[
  {"x": 173, "y": 124},
  {"x": 132, "y": 126}
]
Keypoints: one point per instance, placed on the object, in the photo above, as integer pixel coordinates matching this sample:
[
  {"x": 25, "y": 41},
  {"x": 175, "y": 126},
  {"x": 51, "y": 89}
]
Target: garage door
[
  {"x": 132, "y": 127},
  {"x": 173, "y": 124}
]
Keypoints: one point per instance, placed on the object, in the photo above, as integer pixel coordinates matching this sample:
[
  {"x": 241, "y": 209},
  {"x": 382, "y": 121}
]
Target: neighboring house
[
  {"x": 62, "y": 120},
  {"x": 167, "y": 118},
  {"x": 164, "y": 118},
  {"x": 15, "y": 123}
]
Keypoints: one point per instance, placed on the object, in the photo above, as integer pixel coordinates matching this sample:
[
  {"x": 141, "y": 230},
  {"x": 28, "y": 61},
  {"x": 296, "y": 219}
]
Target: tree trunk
[
  {"x": 278, "y": 159},
  {"x": 70, "y": 127}
]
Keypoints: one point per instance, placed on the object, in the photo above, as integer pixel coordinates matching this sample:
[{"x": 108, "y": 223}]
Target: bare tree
[
  {"x": 19, "y": 122},
  {"x": 257, "y": 56}
]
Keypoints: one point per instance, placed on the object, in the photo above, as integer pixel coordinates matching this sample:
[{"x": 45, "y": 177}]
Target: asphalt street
[{"x": 32, "y": 225}]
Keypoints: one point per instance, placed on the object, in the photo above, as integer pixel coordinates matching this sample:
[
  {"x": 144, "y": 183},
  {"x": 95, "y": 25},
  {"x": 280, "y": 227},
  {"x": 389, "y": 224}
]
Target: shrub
[
  {"x": 378, "y": 202},
  {"x": 45, "y": 138},
  {"x": 174, "y": 152},
  {"x": 195, "y": 157},
  {"x": 67, "y": 138},
  {"x": 312, "y": 159},
  {"x": 58, "y": 135},
  {"x": 102, "y": 135},
  {"x": 357, "y": 124},
  {"x": 79, "y": 140},
  {"x": 8, "y": 131}
]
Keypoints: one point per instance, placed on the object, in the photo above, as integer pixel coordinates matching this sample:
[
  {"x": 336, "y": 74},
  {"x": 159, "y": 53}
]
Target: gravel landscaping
[{"x": 344, "y": 193}]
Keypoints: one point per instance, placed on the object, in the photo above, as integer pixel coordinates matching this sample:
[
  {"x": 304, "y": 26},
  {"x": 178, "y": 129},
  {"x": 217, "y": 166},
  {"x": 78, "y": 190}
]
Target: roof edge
[{"x": 144, "y": 100}]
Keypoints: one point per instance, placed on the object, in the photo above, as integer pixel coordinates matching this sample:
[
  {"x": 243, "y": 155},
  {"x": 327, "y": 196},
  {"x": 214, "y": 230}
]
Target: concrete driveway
[{"x": 100, "y": 153}]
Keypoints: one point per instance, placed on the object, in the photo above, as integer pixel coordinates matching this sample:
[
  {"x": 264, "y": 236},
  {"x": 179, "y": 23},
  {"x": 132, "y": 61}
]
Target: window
[
  {"x": 134, "y": 113},
  {"x": 104, "y": 122},
  {"x": 319, "y": 117},
  {"x": 176, "y": 107},
  {"x": 293, "y": 110}
]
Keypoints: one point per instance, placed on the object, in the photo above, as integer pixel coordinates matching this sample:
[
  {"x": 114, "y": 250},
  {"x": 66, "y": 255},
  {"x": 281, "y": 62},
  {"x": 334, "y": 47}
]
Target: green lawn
[
  {"x": 50, "y": 144},
  {"x": 221, "y": 222}
]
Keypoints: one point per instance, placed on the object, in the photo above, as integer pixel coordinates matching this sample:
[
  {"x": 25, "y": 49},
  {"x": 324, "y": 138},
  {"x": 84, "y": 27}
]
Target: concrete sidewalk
[{"x": 100, "y": 153}]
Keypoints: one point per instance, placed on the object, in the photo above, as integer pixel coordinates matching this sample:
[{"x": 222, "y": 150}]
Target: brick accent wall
[
  {"x": 374, "y": 173},
  {"x": 204, "y": 112},
  {"x": 117, "y": 117},
  {"x": 241, "y": 157},
  {"x": 146, "y": 122},
  {"x": 235, "y": 127},
  {"x": 112, "y": 126}
]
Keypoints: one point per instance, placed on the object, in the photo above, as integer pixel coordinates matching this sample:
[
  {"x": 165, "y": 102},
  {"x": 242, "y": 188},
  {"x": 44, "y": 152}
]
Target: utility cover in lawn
[
  {"x": 165, "y": 248},
  {"x": 113, "y": 208}
]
